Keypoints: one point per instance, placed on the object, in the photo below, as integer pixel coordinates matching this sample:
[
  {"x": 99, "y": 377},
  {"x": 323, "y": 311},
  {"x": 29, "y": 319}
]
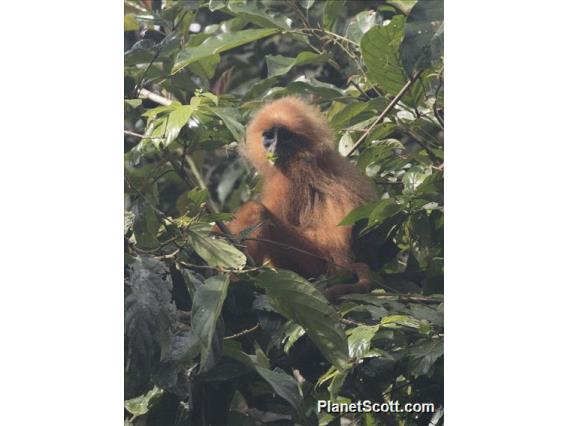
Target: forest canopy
[{"x": 211, "y": 338}]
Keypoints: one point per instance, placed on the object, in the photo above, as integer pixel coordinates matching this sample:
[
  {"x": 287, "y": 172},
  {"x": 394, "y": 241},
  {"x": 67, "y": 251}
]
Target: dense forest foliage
[{"x": 211, "y": 339}]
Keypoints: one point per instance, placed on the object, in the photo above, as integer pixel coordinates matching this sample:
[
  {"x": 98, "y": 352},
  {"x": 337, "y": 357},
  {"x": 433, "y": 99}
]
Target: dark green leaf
[
  {"x": 383, "y": 210},
  {"x": 299, "y": 301},
  {"x": 250, "y": 12},
  {"x": 207, "y": 305},
  {"x": 215, "y": 251},
  {"x": 423, "y": 42},
  {"x": 379, "y": 47},
  {"x": 283, "y": 384},
  {"x": 218, "y": 44},
  {"x": 361, "y": 212},
  {"x": 332, "y": 10},
  {"x": 280, "y": 65}
]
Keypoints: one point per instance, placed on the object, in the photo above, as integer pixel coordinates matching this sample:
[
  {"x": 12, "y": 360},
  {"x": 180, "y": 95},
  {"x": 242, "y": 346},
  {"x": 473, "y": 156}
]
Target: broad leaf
[
  {"x": 379, "y": 47},
  {"x": 332, "y": 10},
  {"x": 280, "y": 65},
  {"x": 423, "y": 42},
  {"x": 299, "y": 301},
  {"x": 218, "y": 44},
  {"x": 383, "y": 210},
  {"x": 215, "y": 251},
  {"x": 207, "y": 304},
  {"x": 283, "y": 384}
]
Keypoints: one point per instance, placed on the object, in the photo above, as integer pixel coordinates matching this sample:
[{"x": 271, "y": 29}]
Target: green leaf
[
  {"x": 218, "y": 44},
  {"x": 423, "y": 356},
  {"x": 217, "y": 4},
  {"x": 207, "y": 305},
  {"x": 299, "y": 301},
  {"x": 412, "y": 178},
  {"x": 361, "y": 212},
  {"x": 309, "y": 86},
  {"x": 283, "y": 384},
  {"x": 230, "y": 117},
  {"x": 178, "y": 118},
  {"x": 359, "y": 340},
  {"x": 292, "y": 334},
  {"x": 360, "y": 24},
  {"x": 145, "y": 226},
  {"x": 379, "y": 47},
  {"x": 205, "y": 68},
  {"x": 423, "y": 42},
  {"x": 130, "y": 23},
  {"x": 215, "y": 251},
  {"x": 331, "y": 11},
  {"x": 432, "y": 188},
  {"x": 343, "y": 116},
  {"x": 406, "y": 321},
  {"x": 143, "y": 403},
  {"x": 280, "y": 65},
  {"x": 134, "y": 103},
  {"x": 250, "y": 12},
  {"x": 383, "y": 210},
  {"x": 405, "y": 6},
  {"x": 149, "y": 317},
  {"x": 378, "y": 152}
]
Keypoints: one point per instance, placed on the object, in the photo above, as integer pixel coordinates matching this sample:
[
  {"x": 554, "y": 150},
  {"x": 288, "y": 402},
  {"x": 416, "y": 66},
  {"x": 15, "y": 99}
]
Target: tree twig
[
  {"x": 383, "y": 114},
  {"x": 242, "y": 333},
  {"x": 141, "y": 136},
  {"x": 159, "y": 99}
]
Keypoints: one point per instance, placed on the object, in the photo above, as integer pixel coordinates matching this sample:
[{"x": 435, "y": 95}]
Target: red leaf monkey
[{"x": 308, "y": 188}]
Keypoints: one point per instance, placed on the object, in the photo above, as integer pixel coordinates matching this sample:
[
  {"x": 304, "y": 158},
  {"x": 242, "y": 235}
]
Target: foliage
[{"x": 212, "y": 339}]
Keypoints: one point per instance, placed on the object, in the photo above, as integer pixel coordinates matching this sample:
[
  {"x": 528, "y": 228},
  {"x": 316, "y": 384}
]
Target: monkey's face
[{"x": 280, "y": 145}]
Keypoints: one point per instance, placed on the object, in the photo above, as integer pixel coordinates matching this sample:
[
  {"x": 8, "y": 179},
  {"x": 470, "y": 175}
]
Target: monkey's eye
[
  {"x": 268, "y": 138},
  {"x": 268, "y": 134}
]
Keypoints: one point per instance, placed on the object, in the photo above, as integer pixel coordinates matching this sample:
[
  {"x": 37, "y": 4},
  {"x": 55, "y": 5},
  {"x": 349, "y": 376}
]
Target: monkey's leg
[{"x": 363, "y": 284}]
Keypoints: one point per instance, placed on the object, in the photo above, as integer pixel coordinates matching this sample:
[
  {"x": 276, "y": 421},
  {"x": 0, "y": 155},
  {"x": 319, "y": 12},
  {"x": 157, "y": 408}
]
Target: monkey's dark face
[{"x": 280, "y": 145}]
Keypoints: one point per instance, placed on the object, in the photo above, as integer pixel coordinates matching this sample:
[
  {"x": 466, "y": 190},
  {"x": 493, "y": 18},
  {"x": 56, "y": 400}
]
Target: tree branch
[{"x": 383, "y": 114}]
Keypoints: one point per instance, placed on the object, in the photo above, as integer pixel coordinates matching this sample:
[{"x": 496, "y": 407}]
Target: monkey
[{"x": 307, "y": 189}]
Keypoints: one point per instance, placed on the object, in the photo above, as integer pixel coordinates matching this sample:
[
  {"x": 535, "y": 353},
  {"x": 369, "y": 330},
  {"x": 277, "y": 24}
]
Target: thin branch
[
  {"x": 242, "y": 333},
  {"x": 380, "y": 118},
  {"x": 159, "y": 99},
  {"x": 141, "y": 136}
]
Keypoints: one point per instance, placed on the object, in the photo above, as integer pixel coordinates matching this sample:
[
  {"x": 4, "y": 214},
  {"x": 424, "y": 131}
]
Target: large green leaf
[
  {"x": 383, "y": 210},
  {"x": 218, "y": 44},
  {"x": 359, "y": 213},
  {"x": 250, "y": 12},
  {"x": 299, "y": 301},
  {"x": 230, "y": 117},
  {"x": 360, "y": 340},
  {"x": 280, "y": 65},
  {"x": 145, "y": 225},
  {"x": 423, "y": 42},
  {"x": 215, "y": 251},
  {"x": 380, "y": 47},
  {"x": 207, "y": 304},
  {"x": 332, "y": 10},
  {"x": 283, "y": 384}
]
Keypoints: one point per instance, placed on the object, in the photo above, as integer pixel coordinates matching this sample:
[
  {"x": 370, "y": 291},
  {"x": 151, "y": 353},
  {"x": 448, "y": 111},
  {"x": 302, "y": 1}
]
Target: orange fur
[{"x": 305, "y": 198}]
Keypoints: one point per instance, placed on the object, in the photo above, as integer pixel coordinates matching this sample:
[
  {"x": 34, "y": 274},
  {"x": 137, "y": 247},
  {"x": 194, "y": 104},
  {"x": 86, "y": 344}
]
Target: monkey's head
[{"x": 283, "y": 132}]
